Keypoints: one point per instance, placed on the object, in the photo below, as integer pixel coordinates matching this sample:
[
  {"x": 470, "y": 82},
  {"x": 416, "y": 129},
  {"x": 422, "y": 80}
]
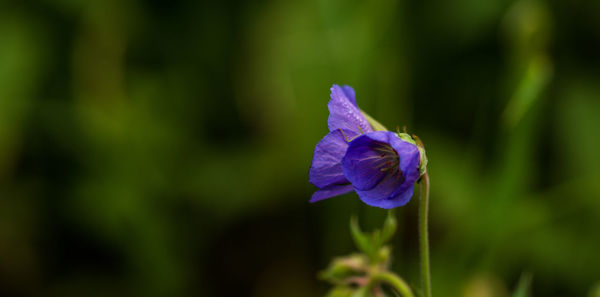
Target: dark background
[{"x": 161, "y": 148}]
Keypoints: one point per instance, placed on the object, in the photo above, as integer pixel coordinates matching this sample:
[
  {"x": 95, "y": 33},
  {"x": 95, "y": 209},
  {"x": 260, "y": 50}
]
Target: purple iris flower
[{"x": 379, "y": 165}]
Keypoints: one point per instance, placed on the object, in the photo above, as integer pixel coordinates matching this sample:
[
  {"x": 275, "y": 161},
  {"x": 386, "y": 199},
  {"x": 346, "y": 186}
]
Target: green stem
[
  {"x": 394, "y": 281},
  {"x": 424, "y": 236}
]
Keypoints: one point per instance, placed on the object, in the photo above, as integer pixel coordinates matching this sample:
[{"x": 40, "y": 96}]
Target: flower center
[{"x": 388, "y": 159}]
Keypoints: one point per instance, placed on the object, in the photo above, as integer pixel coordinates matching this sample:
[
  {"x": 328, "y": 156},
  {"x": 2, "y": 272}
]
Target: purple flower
[{"x": 379, "y": 165}]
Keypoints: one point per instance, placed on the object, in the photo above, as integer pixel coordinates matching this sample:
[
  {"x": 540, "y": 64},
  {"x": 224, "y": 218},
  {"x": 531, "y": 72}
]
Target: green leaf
[
  {"x": 389, "y": 227},
  {"x": 523, "y": 286},
  {"x": 383, "y": 255},
  {"x": 344, "y": 267},
  {"x": 376, "y": 239},
  {"x": 362, "y": 240},
  {"x": 361, "y": 292},
  {"x": 537, "y": 77},
  {"x": 340, "y": 291}
]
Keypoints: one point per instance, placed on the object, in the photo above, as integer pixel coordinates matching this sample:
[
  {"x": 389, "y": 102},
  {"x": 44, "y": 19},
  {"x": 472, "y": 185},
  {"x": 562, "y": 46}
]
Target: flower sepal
[
  {"x": 414, "y": 139},
  {"x": 423, "y": 162},
  {"x": 377, "y": 126}
]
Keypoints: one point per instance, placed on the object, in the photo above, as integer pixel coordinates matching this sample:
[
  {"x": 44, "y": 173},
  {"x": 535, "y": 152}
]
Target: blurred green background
[{"x": 161, "y": 148}]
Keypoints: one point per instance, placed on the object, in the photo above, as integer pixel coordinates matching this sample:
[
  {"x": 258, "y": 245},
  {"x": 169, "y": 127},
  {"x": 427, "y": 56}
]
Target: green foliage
[
  {"x": 372, "y": 244},
  {"x": 345, "y": 267},
  {"x": 365, "y": 274},
  {"x": 523, "y": 287},
  {"x": 154, "y": 148},
  {"x": 361, "y": 292},
  {"x": 389, "y": 227},
  {"x": 341, "y": 291},
  {"x": 595, "y": 290}
]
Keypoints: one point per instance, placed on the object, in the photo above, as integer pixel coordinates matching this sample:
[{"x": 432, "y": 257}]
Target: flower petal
[
  {"x": 326, "y": 167},
  {"x": 331, "y": 191},
  {"x": 366, "y": 158},
  {"x": 409, "y": 163},
  {"x": 343, "y": 112},
  {"x": 373, "y": 197},
  {"x": 389, "y": 189},
  {"x": 349, "y": 92}
]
